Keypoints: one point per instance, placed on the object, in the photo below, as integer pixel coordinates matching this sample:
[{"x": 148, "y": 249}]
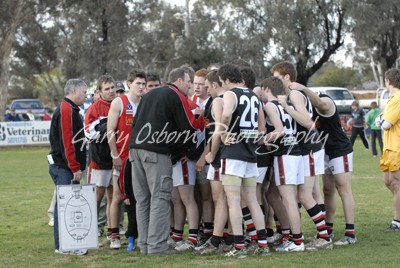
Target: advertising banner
[
  {"x": 347, "y": 129},
  {"x": 24, "y": 133}
]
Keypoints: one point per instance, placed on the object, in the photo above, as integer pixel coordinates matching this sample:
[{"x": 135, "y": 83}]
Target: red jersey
[{"x": 124, "y": 127}]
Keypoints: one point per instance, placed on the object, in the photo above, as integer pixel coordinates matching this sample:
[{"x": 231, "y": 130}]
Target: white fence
[{"x": 24, "y": 133}]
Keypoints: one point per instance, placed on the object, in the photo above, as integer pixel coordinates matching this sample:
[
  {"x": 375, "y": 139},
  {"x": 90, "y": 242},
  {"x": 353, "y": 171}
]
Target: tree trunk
[
  {"x": 374, "y": 69},
  {"x": 187, "y": 21},
  {"x": 5, "y": 51},
  {"x": 380, "y": 75}
]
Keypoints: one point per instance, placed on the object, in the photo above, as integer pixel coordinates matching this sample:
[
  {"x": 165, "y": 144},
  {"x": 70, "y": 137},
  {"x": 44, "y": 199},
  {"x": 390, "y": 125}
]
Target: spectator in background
[
  {"x": 29, "y": 116},
  {"x": 47, "y": 115},
  {"x": 357, "y": 119},
  {"x": 213, "y": 67},
  {"x": 153, "y": 81},
  {"x": 119, "y": 88},
  {"x": 375, "y": 128},
  {"x": 90, "y": 99},
  {"x": 11, "y": 116}
]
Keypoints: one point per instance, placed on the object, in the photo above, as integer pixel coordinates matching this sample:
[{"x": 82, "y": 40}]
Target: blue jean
[{"x": 60, "y": 176}]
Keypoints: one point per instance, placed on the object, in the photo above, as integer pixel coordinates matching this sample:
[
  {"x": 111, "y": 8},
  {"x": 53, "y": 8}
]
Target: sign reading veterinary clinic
[{"x": 24, "y": 133}]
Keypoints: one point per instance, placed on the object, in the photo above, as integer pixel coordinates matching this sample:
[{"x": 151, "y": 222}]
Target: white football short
[
  {"x": 239, "y": 168},
  {"x": 289, "y": 169},
  {"x": 341, "y": 164},
  {"x": 262, "y": 171},
  {"x": 184, "y": 173},
  {"x": 101, "y": 177},
  {"x": 314, "y": 163},
  {"x": 214, "y": 173}
]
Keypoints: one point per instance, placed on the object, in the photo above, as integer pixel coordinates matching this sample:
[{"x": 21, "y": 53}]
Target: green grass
[{"x": 27, "y": 241}]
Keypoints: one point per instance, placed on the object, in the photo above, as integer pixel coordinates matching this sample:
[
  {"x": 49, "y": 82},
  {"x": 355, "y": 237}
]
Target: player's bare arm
[
  {"x": 230, "y": 102},
  {"x": 216, "y": 137},
  {"x": 261, "y": 123},
  {"x": 112, "y": 123},
  {"x": 299, "y": 113},
  {"x": 323, "y": 105},
  {"x": 273, "y": 117}
]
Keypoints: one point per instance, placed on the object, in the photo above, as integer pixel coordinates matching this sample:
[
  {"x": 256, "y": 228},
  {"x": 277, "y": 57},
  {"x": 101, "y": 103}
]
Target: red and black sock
[
  {"x": 319, "y": 220},
  {"x": 297, "y": 238},
  {"x": 238, "y": 242},
  {"x": 350, "y": 230},
  {"x": 193, "y": 236},
  {"x": 115, "y": 233},
  {"x": 177, "y": 235},
  {"x": 248, "y": 221},
  {"x": 262, "y": 238},
  {"x": 285, "y": 234}
]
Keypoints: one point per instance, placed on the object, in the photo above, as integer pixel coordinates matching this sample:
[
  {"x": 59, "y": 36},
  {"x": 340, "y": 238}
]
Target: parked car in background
[
  {"x": 382, "y": 97},
  {"x": 340, "y": 95},
  {"x": 22, "y": 106},
  {"x": 366, "y": 97}
]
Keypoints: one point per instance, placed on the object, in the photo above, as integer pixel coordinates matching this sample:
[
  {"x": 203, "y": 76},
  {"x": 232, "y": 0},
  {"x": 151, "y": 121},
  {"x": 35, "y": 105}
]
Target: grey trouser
[{"x": 152, "y": 186}]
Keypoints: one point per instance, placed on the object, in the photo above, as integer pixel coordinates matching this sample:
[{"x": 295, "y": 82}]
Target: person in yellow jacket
[{"x": 390, "y": 161}]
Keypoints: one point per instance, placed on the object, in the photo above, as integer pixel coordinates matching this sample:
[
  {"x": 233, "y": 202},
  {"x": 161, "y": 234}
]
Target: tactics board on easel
[{"x": 77, "y": 216}]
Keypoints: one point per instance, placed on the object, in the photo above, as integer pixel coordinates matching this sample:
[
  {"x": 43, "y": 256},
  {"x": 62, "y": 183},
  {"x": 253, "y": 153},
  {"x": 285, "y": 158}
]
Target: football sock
[
  {"x": 248, "y": 221},
  {"x": 319, "y": 220}
]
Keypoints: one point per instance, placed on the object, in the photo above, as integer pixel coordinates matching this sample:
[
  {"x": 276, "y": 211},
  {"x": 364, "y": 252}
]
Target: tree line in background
[{"x": 45, "y": 42}]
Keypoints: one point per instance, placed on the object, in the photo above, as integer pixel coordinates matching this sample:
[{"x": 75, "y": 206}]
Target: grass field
[{"x": 27, "y": 241}]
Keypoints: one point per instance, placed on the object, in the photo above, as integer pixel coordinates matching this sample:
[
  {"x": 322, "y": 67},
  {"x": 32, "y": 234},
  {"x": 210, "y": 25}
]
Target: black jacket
[
  {"x": 189, "y": 148},
  {"x": 96, "y": 131},
  {"x": 164, "y": 122},
  {"x": 67, "y": 138}
]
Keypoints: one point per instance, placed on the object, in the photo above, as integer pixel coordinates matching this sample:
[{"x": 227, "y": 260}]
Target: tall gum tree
[
  {"x": 308, "y": 32},
  {"x": 377, "y": 34},
  {"x": 10, "y": 21}
]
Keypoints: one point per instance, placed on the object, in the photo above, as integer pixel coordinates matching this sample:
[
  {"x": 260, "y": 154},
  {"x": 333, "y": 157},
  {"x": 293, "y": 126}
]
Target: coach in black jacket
[
  {"x": 163, "y": 121},
  {"x": 67, "y": 157}
]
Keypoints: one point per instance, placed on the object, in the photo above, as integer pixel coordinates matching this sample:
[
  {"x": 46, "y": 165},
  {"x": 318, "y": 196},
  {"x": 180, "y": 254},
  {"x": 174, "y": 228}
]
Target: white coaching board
[{"x": 77, "y": 216}]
